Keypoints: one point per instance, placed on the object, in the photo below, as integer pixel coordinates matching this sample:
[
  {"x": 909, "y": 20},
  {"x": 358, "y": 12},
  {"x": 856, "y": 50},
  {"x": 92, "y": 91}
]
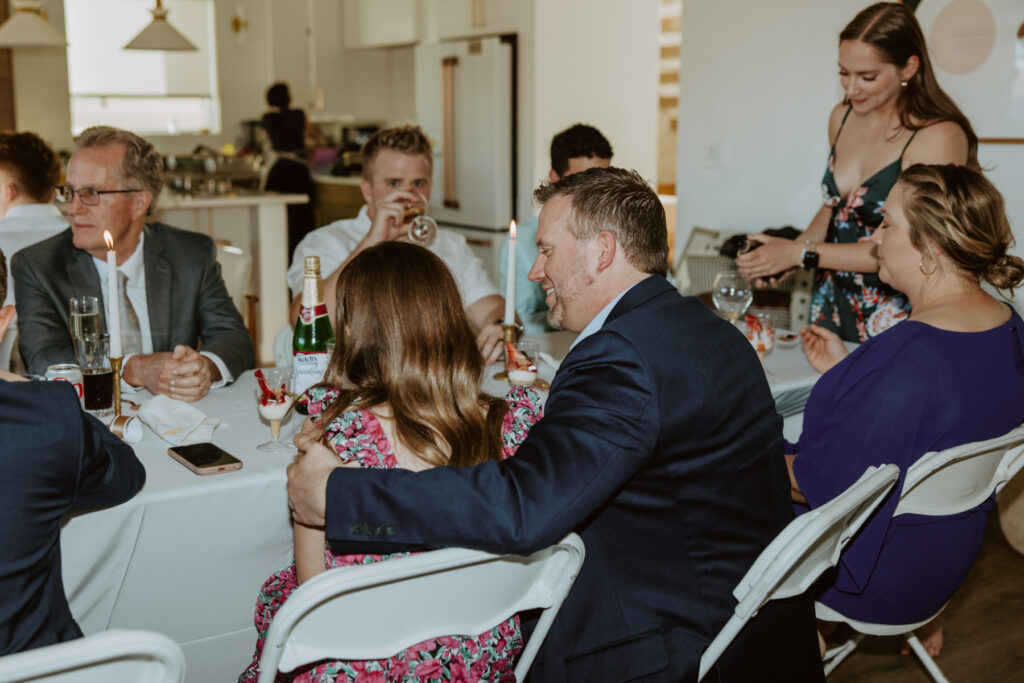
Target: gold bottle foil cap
[{"x": 312, "y": 264}]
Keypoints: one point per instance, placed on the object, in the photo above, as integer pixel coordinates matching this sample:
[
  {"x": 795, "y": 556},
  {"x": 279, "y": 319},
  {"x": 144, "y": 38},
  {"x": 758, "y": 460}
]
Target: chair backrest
[
  {"x": 808, "y": 546},
  {"x": 957, "y": 479},
  {"x": 375, "y": 611},
  {"x": 7, "y": 344},
  {"x": 122, "y": 656},
  {"x": 235, "y": 268},
  {"x": 283, "y": 347}
]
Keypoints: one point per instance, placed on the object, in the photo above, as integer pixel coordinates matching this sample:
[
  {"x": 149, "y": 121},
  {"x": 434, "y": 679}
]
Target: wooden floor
[{"x": 984, "y": 628}]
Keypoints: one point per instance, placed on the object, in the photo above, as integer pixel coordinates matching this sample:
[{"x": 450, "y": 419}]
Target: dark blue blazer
[
  {"x": 54, "y": 458},
  {"x": 661, "y": 447}
]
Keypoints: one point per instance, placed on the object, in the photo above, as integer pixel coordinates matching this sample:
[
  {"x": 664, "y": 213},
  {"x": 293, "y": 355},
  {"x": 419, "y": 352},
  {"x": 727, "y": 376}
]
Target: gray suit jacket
[{"x": 186, "y": 298}]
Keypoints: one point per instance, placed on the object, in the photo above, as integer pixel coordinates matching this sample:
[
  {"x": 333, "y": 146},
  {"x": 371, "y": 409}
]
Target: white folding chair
[
  {"x": 235, "y": 269},
  {"x": 375, "y": 611},
  {"x": 795, "y": 558},
  {"x": 283, "y": 347},
  {"x": 117, "y": 655},
  {"x": 939, "y": 484}
]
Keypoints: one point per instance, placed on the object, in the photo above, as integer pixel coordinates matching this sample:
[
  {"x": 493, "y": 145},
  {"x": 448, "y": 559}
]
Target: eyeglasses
[{"x": 86, "y": 195}]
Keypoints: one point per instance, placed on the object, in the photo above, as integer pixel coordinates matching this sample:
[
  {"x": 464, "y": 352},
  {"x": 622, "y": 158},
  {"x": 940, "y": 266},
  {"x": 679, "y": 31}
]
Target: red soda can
[{"x": 67, "y": 372}]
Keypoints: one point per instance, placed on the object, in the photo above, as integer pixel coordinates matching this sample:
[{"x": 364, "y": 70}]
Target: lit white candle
[
  {"x": 113, "y": 300},
  {"x": 510, "y": 277}
]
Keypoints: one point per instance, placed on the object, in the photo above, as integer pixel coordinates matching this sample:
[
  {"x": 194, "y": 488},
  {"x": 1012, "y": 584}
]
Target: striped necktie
[{"x": 131, "y": 333}]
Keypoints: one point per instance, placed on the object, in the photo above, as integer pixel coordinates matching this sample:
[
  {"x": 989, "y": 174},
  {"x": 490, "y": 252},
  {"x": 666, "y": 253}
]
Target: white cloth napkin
[{"x": 177, "y": 422}]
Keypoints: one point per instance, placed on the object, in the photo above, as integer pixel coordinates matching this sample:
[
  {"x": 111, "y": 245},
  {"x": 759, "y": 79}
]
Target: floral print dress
[
  {"x": 357, "y": 436},
  {"x": 856, "y": 305}
]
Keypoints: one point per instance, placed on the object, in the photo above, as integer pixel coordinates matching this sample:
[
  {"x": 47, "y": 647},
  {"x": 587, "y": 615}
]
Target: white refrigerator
[{"x": 465, "y": 102}]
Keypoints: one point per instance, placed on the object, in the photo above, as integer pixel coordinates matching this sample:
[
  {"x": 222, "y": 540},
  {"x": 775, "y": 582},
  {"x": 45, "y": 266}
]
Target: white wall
[
  {"x": 596, "y": 62},
  {"x": 757, "y": 83},
  {"x": 276, "y": 46}
]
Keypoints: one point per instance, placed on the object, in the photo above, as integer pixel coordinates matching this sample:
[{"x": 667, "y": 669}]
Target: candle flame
[
  {"x": 109, "y": 240},
  {"x": 512, "y": 229}
]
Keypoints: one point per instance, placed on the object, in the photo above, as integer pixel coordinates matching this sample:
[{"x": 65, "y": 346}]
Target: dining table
[{"x": 187, "y": 555}]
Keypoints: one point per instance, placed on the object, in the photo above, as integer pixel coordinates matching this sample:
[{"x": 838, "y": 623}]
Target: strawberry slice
[
  {"x": 754, "y": 324},
  {"x": 517, "y": 360},
  {"x": 262, "y": 381}
]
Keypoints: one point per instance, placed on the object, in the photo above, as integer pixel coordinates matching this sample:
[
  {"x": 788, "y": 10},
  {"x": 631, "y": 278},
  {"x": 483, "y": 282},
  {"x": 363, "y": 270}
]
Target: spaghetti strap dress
[{"x": 856, "y": 306}]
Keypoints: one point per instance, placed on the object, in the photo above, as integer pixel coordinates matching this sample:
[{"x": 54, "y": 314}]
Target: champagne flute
[
  {"x": 732, "y": 295},
  {"x": 273, "y": 401}
]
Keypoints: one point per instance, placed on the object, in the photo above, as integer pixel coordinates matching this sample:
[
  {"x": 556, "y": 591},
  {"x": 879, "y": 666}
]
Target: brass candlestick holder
[
  {"x": 115, "y": 365},
  {"x": 511, "y": 337}
]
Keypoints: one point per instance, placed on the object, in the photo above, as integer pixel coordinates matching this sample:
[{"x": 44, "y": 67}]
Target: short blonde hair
[{"x": 405, "y": 139}]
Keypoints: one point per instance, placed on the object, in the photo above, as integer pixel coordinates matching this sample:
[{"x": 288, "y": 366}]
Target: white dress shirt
[
  {"x": 27, "y": 224},
  {"x": 334, "y": 242},
  {"x": 135, "y": 270}
]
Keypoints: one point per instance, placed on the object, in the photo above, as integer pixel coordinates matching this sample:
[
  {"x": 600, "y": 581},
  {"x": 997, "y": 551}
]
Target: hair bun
[{"x": 1006, "y": 272}]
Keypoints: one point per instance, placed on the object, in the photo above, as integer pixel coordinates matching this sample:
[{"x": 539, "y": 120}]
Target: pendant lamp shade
[
  {"x": 27, "y": 28},
  {"x": 160, "y": 35}
]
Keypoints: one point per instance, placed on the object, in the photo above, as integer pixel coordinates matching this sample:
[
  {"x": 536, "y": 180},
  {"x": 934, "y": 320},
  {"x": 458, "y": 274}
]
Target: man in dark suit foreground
[
  {"x": 175, "y": 298},
  {"x": 55, "y": 458},
  {"x": 660, "y": 446}
]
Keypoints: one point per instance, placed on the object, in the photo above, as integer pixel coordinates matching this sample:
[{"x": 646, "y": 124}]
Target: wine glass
[
  {"x": 274, "y": 400},
  {"x": 422, "y": 228},
  {"x": 732, "y": 295},
  {"x": 761, "y": 333}
]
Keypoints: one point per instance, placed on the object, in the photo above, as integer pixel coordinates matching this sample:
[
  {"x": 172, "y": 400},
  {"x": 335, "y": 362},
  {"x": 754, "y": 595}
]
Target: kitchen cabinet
[
  {"x": 380, "y": 23},
  {"x": 466, "y": 18},
  {"x": 336, "y": 198}
]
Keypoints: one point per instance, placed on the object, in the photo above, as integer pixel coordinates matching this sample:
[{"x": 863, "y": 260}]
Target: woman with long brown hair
[
  {"x": 894, "y": 114},
  {"x": 403, "y": 390}
]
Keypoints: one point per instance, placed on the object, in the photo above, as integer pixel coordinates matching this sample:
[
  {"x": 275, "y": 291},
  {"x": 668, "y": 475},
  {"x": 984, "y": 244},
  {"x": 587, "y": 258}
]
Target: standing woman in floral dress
[
  {"x": 402, "y": 390},
  {"x": 893, "y": 115}
]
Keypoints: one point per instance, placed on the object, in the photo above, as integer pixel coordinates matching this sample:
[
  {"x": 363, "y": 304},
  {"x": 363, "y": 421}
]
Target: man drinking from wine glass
[
  {"x": 397, "y": 168},
  {"x": 171, "y": 295},
  {"x": 660, "y": 445}
]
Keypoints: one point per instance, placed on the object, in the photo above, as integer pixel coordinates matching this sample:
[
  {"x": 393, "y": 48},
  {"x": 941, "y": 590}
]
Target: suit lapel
[{"x": 158, "y": 289}]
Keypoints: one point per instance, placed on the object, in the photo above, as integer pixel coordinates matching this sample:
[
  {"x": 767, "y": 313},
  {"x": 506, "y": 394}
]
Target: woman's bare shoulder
[
  {"x": 942, "y": 142},
  {"x": 835, "y": 120}
]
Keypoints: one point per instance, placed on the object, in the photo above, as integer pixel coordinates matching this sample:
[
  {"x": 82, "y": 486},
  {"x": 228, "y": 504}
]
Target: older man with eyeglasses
[{"x": 172, "y": 297}]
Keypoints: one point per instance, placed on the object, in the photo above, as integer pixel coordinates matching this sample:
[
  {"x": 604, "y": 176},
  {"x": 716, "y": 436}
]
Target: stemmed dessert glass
[
  {"x": 274, "y": 399},
  {"x": 732, "y": 295},
  {"x": 761, "y": 333}
]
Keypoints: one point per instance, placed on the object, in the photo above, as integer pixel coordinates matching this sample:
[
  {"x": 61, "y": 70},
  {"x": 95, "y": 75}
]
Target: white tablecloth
[{"x": 187, "y": 555}]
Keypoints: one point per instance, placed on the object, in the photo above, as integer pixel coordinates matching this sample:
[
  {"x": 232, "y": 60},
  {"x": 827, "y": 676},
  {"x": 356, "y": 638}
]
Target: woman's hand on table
[
  {"x": 775, "y": 256},
  {"x": 823, "y": 348}
]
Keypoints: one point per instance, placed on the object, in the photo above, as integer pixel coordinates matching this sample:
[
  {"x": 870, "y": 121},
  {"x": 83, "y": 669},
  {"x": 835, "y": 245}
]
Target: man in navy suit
[
  {"x": 54, "y": 459},
  {"x": 660, "y": 446}
]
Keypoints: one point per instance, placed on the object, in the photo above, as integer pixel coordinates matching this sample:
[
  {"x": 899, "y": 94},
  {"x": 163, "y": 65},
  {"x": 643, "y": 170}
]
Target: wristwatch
[{"x": 809, "y": 256}]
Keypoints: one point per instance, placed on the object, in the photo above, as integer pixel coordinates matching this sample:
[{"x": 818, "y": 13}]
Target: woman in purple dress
[
  {"x": 950, "y": 374},
  {"x": 403, "y": 390}
]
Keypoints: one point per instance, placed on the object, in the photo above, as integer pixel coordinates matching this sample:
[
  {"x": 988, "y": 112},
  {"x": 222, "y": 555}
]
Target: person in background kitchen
[
  {"x": 55, "y": 458},
  {"x": 397, "y": 168},
  {"x": 575, "y": 149},
  {"x": 29, "y": 170},
  {"x": 287, "y": 129},
  {"x": 172, "y": 295}
]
